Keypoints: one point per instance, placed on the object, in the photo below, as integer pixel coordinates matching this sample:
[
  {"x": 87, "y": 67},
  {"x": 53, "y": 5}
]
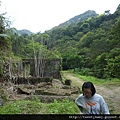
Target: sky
[{"x": 42, "y": 15}]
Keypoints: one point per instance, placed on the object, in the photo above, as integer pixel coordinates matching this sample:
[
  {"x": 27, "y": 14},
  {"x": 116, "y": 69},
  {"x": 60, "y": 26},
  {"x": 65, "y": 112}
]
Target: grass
[
  {"x": 64, "y": 107},
  {"x": 113, "y": 81},
  {"x": 36, "y": 107},
  {"x": 21, "y": 107},
  {"x": 92, "y": 79},
  {"x": 110, "y": 81}
]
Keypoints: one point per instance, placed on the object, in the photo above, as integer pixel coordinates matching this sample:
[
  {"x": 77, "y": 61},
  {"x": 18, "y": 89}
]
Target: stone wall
[{"x": 46, "y": 68}]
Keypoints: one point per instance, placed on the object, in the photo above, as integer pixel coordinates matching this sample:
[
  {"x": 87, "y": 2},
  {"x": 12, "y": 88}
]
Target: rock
[
  {"x": 68, "y": 82},
  {"x": 23, "y": 91}
]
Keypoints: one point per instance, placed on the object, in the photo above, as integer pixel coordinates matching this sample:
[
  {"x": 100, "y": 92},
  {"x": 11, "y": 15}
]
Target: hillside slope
[{"x": 78, "y": 18}]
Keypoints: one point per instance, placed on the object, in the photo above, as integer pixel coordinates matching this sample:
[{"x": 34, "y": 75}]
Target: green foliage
[
  {"x": 64, "y": 107},
  {"x": 113, "y": 63},
  {"x": 86, "y": 40},
  {"x": 72, "y": 60},
  {"x": 85, "y": 44},
  {"x": 95, "y": 45},
  {"x": 115, "y": 36},
  {"x": 84, "y": 71},
  {"x": 78, "y": 35},
  {"x": 36, "y": 107},
  {"x": 99, "y": 67},
  {"x": 93, "y": 79},
  {"x": 5, "y": 44},
  {"x": 85, "y": 27},
  {"x": 21, "y": 107}
]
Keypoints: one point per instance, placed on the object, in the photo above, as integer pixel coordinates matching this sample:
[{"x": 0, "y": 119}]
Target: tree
[
  {"x": 86, "y": 40},
  {"x": 85, "y": 27},
  {"x": 99, "y": 66},
  {"x": 113, "y": 63},
  {"x": 116, "y": 30},
  {"x": 78, "y": 36},
  {"x": 5, "y": 45}
]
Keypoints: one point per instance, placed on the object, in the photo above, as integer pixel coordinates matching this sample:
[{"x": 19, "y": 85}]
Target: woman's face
[{"x": 87, "y": 92}]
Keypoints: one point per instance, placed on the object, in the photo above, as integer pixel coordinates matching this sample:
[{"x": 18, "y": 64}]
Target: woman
[{"x": 89, "y": 102}]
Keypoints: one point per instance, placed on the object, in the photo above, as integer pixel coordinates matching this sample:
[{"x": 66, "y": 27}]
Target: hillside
[
  {"x": 81, "y": 17},
  {"x": 92, "y": 41},
  {"x": 24, "y": 31},
  {"x": 89, "y": 44}
]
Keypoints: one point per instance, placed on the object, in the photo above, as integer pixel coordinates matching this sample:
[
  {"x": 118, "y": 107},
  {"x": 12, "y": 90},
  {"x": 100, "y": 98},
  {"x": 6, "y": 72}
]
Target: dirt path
[
  {"x": 75, "y": 81},
  {"x": 110, "y": 93}
]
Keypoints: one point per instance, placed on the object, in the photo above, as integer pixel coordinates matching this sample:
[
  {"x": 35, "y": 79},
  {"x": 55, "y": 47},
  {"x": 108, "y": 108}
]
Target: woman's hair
[{"x": 89, "y": 85}]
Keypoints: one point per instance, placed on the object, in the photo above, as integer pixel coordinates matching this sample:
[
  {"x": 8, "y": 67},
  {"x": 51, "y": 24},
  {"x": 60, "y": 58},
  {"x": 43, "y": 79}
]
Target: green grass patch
[
  {"x": 64, "y": 107},
  {"x": 36, "y": 107},
  {"x": 91, "y": 79},
  {"x": 108, "y": 81},
  {"x": 112, "y": 81},
  {"x": 21, "y": 107}
]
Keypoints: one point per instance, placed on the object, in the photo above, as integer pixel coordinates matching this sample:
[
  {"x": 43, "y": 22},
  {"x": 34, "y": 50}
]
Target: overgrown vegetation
[
  {"x": 36, "y": 107},
  {"x": 90, "y": 46}
]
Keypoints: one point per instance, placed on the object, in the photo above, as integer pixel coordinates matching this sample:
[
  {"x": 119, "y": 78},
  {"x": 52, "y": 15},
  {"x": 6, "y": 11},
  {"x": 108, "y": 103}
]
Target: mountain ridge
[
  {"x": 75, "y": 19},
  {"x": 24, "y": 31},
  {"x": 80, "y": 17}
]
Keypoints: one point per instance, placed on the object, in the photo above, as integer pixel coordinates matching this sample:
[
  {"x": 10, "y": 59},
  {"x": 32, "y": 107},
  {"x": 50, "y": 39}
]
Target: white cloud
[{"x": 41, "y": 15}]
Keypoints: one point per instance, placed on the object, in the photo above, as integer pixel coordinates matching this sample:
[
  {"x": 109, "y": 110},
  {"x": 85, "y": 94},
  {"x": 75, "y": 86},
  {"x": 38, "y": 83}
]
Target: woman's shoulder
[
  {"x": 81, "y": 96},
  {"x": 98, "y": 96}
]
